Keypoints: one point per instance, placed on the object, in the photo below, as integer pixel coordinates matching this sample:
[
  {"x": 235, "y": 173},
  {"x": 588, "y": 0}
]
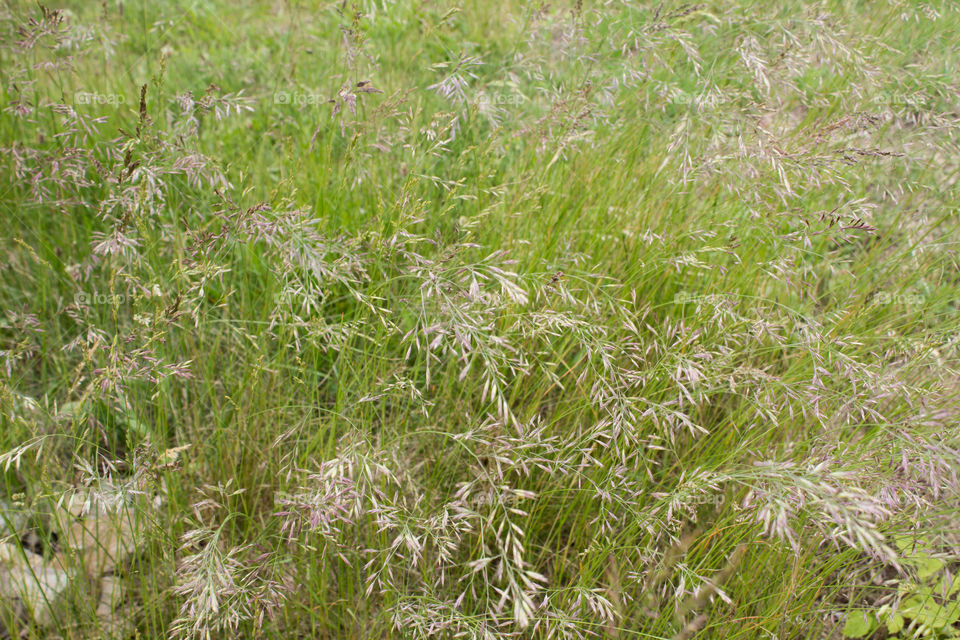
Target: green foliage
[
  {"x": 926, "y": 603},
  {"x": 489, "y": 319}
]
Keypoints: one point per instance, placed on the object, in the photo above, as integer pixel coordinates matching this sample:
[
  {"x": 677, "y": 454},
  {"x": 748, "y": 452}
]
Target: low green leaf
[
  {"x": 859, "y": 624},
  {"x": 894, "y": 623}
]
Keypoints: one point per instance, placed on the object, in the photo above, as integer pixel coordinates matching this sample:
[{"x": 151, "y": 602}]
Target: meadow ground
[{"x": 404, "y": 319}]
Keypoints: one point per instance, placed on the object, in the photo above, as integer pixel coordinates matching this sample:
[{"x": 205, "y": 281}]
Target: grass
[{"x": 486, "y": 319}]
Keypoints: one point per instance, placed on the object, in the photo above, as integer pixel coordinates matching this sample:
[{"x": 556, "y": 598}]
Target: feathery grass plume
[{"x": 496, "y": 321}]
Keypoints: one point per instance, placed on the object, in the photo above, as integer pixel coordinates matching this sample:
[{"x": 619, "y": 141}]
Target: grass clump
[{"x": 400, "y": 319}]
